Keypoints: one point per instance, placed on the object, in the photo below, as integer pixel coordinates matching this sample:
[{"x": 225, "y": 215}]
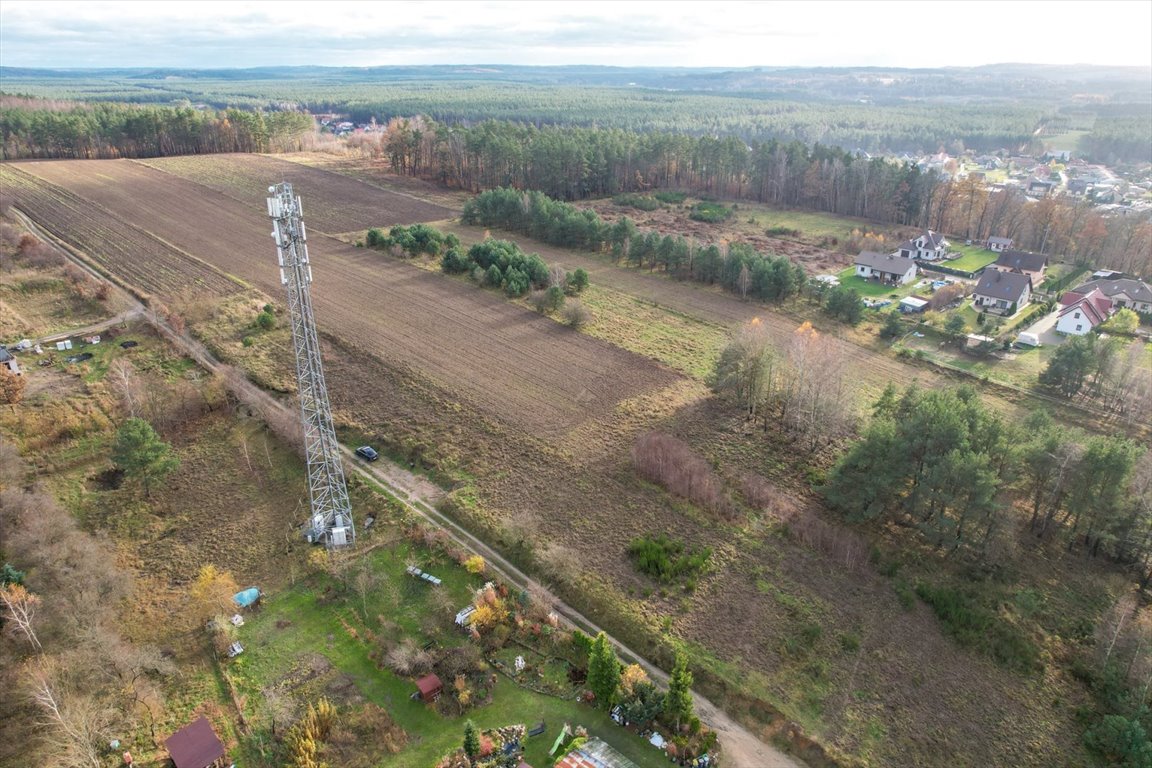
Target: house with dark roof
[
  {"x": 1123, "y": 293},
  {"x": 1079, "y": 187},
  {"x": 998, "y": 244},
  {"x": 929, "y": 246},
  {"x": 196, "y": 746},
  {"x": 1003, "y": 292},
  {"x": 885, "y": 267},
  {"x": 1081, "y": 312},
  {"x": 1023, "y": 262},
  {"x": 1039, "y": 187}
]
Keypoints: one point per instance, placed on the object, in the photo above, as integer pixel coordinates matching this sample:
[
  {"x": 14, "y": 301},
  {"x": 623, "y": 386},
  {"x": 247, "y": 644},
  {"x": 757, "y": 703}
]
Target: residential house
[
  {"x": 1079, "y": 187},
  {"x": 886, "y": 268},
  {"x": 1023, "y": 262},
  {"x": 1081, "y": 312},
  {"x": 196, "y": 746},
  {"x": 929, "y": 246},
  {"x": 1123, "y": 293},
  {"x": 1003, "y": 292},
  {"x": 998, "y": 244},
  {"x": 1039, "y": 188}
]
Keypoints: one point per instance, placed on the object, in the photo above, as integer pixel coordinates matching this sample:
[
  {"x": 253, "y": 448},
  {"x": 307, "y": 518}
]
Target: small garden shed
[
  {"x": 195, "y": 746},
  {"x": 429, "y": 687}
]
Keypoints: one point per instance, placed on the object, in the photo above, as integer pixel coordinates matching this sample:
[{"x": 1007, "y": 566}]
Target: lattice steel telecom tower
[{"x": 331, "y": 516}]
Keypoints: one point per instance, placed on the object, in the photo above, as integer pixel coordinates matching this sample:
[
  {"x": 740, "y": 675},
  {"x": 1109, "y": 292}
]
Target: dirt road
[{"x": 90, "y": 330}]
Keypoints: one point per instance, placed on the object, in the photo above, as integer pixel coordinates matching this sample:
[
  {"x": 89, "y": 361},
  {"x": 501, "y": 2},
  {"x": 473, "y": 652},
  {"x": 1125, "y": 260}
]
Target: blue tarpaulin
[{"x": 247, "y": 597}]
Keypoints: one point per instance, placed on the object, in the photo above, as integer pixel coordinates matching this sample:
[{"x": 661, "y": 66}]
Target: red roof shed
[
  {"x": 195, "y": 745},
  {"x": 430, "y": 687}
]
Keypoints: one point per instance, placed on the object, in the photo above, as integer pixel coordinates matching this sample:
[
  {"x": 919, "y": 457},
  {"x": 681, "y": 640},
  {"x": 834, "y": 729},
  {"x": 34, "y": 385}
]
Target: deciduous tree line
[
  {"x": 802, "y": 385},
  {"x": 69, "y": 681},
  {"x": 1071, "y": 227}
]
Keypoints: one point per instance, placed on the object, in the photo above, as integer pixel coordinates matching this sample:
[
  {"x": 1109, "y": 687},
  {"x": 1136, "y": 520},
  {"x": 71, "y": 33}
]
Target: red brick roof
[{"x": 1094, "y": 305}]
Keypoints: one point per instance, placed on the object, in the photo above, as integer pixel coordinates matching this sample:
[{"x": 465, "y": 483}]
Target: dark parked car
[{"x": 367, "y": 452}]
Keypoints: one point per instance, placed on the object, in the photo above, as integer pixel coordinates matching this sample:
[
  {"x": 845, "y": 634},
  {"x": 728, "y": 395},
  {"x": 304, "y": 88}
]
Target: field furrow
[
  {"x": 111, "y": 241},
  {"x": 524, "y": 369},
  {"x": 332, "y": 203}
]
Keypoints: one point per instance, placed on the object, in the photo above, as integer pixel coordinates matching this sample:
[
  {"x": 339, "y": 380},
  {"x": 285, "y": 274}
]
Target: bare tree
[
  {"x": 1112, "y": 627},
  {"x": 76, "y": 723},
  {"x": 20, "y": 607},
  {"x": 364, "y": 582},
  {"x": 747, "y": 368},
  {"x": 817, "y": 406},
  {"x": 125, "y": 382},
  {"x": 673, "y": 464}
]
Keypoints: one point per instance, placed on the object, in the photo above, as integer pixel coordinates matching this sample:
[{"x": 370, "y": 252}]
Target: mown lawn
[
  {"x": 975, "y": 257},
  {"x": 870, "y": 289}
]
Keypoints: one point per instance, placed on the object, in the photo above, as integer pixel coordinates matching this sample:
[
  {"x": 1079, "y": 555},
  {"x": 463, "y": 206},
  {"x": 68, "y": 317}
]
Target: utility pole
[{"x": 331, "y": 511}]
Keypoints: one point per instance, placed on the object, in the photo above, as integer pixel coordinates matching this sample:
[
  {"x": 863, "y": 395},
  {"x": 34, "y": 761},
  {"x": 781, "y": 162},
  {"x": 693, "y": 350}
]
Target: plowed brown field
[
  {"x": 524, "y": 369},
  {"x": 116, "y": 243},
  {"x": 332, "y": 203}
]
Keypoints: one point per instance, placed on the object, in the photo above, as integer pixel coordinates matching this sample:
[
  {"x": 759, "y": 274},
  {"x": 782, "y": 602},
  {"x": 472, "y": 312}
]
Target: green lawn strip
[
  {"x": 974, "y": 257},
  {"x": 273, "y": 653},
  {"x": 871, "y": 289}
]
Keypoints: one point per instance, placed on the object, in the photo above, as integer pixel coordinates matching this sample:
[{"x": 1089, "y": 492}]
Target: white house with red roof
[{"x": 1081, "y": 312}]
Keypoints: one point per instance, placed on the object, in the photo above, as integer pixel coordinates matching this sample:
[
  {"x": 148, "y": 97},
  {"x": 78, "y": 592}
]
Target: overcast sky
[{"x": 209, "y": 34}]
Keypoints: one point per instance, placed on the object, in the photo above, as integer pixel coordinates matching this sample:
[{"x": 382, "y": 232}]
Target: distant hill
[{"x": 1033, "y": 82}]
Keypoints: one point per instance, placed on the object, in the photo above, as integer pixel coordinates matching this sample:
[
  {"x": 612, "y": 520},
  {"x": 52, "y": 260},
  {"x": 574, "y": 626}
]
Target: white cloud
[{"x": 722, "y": 34}]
